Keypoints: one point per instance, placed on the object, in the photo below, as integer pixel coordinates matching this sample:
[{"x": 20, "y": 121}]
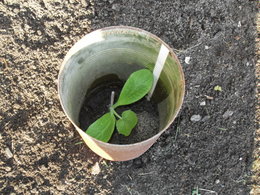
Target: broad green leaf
[
  {"x": 137, "y": 86},
  {"x": 126, "y": 123},
  {"x": 102, "y": 129}
]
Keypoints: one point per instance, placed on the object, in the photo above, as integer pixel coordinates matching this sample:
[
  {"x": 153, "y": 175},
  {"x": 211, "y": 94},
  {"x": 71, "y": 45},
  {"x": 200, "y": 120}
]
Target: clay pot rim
[{"x": 171, "y": 52}]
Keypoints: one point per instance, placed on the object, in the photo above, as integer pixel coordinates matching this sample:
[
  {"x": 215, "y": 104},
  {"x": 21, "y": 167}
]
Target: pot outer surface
[{"x": 35, "y": 37}]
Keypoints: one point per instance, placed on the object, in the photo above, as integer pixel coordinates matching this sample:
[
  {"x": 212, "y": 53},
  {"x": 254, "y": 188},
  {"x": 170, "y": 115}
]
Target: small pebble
[
  {"x": 16, "y": 106},
  {"x": 8, "y": 153},
  {"x": 187, "y": 60},
  {"x": 84, "y": 2},
  {"x": 209, "y": 97},
  {"x": 61, "y": 187},
  {"x": 203, "y": 103},
  {"x": 239, "y": 24},
  {"x": 217, "y": 181},
  {"x": 39, "y": 32},
  {"x": 195, "y": 118},
  {"x": 8, "y": 169},
  {"x": 90, "y": 161},
  {"x": 228, "y": 113},
  {"x": 56, "y": 81},
  {"x": 251, "y": 105},
  {"x": 206, "y": 47},
  {"x": 205, "y": 118},
  {"x": 15, "y": 10},
  {"x": 95, "y": 170},
  {"x": 116, "y": 7}
]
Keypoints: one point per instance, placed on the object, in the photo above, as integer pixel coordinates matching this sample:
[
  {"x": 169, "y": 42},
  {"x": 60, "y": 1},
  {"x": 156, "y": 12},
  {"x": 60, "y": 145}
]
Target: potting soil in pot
[{"x": 97, "y": 102}]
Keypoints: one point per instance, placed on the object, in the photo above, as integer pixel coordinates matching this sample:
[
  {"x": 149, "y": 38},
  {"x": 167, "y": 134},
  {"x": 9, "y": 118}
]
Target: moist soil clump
[{"x": 97, "y": 103}]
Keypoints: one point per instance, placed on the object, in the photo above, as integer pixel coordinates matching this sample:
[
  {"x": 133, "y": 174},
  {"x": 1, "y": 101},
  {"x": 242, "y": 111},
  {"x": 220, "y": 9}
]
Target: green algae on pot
[{"x": 119, "y": 51}]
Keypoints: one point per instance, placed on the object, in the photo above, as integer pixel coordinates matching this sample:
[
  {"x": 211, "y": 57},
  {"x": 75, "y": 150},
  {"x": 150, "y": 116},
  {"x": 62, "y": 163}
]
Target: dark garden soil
[{"x": 213, "y": 150}]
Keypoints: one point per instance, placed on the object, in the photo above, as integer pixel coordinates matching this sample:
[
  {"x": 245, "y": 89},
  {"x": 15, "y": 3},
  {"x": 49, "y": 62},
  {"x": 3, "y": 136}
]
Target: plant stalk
[
  {"x": 112, "y": 98},
  {"x": 112, "y": 110},
  {"x": 115, "y": 113}
]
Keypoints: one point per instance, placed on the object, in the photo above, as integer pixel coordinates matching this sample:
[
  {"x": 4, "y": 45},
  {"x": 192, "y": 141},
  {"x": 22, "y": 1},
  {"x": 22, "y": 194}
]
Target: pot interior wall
[{"x": 118, "y": 52}]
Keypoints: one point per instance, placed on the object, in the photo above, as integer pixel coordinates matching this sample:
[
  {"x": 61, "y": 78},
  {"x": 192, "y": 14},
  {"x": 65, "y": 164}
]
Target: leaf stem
[
  {"x": 115, "y": 113},
  {"x": 112, "y": 107},
  {"x": 112, "y": 98}
]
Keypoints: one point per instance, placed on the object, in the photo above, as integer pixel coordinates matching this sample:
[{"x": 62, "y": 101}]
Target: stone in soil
[
  {"x": 195, "y": 118},
  {"x": 228, "y": 114}
]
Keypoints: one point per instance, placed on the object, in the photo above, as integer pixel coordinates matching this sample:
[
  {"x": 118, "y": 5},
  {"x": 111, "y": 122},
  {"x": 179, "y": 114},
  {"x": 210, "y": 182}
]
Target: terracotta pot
[{"x": 118, "y": 50}]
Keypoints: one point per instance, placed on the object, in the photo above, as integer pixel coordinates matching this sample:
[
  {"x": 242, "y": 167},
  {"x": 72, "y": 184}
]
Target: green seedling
[
  {"x": 136, "y": 87},
  {"x": 218, "y": 88},
  {"x": 78, "y": 143},
  {"x": 195, "y": 191},
  {"x": 222, "y": 129}
]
